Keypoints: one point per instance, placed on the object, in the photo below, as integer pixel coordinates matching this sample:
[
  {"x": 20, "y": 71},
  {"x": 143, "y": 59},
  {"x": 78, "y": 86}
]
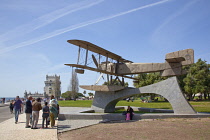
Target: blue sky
[{"x": 34, "y": 34}]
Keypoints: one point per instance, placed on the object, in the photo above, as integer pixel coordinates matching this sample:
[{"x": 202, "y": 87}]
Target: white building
[
  {"x": 33, "y": 95},
  {"x": 52, "y": 86}
]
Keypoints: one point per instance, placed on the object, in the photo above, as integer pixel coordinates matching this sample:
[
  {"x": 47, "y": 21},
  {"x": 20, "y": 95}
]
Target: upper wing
[{"x": 96, "y": 49}]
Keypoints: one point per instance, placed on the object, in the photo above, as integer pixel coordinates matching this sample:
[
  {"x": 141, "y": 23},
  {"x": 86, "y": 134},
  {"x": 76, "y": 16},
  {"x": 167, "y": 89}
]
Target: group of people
[
  {"x": 32, "y": 109},
  {"x": 49, "y": 113}
]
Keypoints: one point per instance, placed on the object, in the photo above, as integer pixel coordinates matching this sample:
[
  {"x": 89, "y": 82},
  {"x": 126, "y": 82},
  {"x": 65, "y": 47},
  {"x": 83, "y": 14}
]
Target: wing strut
[
  {"x": 78, "y": 55},
  {"x": 86, "y": 56}
]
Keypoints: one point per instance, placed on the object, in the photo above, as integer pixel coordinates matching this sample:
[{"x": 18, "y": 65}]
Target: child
[
  {"x": 11, "y": 106},
  {"x": 45, "y": 115}
]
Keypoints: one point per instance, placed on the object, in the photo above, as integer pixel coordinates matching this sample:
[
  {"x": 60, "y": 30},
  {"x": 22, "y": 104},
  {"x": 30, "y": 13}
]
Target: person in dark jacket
[
  {"x": 28, "y": 111},
  {"x": 45, "y": 115},
  {"x": 17, "y": 106},
  {"x": 130, "y": 111}
]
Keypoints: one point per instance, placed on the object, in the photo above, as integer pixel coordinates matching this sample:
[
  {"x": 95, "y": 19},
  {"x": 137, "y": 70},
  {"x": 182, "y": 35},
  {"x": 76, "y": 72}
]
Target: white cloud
[
  {"x": 47, "y": 19},
  {"x": 77, "y": 26}
]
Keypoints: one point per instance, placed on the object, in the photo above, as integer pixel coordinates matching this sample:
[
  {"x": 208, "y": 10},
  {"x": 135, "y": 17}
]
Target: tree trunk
[
  {"x": 165, "y": 100},
  {"x": 208, "y": 96},
  {"x": 193, "y": 96},
  {"x": 190, "y": 97},
  {"x": 152, "y": 96},
  {"x": 205, "y": 96}
]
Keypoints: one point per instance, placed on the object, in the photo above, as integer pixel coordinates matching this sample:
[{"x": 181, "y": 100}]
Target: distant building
[
  {"x": 34, "y": 95},
  {"x": 52, "y": 86}
]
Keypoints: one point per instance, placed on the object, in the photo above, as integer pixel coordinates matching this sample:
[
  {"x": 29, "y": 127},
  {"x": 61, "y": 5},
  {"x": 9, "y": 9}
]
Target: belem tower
[{"x": 52, "y": 87}]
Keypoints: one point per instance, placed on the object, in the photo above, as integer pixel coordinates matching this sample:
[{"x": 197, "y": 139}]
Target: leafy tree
[
  {"x": 57, "y": 87},
  {"x": 148, "y": 79},
  {"x": 74, "y": 84},
  {"x": 115, "y": 82},
  {"x": 90, "y": 94},
  {"x": 197, "y": 79},
  {"x": 181, "y": 81},
  {"x": 208, "y": 82},
  {"x": 79, "y": 95},
  {"x": 68, "y": 95}
]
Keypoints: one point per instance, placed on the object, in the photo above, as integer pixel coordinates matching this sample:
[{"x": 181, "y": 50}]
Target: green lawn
[
  {"x": 78, "y": 103},
  {"x": 201, "y": 106},
  {"x": 138, "y": 103}
]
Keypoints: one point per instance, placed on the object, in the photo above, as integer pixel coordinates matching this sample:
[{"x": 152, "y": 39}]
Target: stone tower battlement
[{"x": 52, "y": 86}]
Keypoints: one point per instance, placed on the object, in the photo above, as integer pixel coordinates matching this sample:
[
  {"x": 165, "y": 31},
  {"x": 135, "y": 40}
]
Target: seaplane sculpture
[{"x": 115, "y": 65}]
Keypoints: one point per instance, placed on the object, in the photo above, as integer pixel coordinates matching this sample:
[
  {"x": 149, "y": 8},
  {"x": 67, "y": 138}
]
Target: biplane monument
[{"x": 117, "y": 68}]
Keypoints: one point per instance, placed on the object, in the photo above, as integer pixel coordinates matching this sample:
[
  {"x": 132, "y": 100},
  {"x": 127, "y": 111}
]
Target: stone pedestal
[{"x": 105, "y": 101}]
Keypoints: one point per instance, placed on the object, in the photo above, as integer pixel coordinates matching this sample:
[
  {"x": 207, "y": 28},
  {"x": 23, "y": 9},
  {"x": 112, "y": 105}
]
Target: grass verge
[{"x": 201, "y": 106}]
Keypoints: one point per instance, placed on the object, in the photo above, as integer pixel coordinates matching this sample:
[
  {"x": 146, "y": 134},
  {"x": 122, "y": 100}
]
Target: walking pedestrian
[
  {"x": 36, "y": 107},
  {"x": 28, "y": 112},
  {"x": 17, "y": 106},
  {"x": 3, "y": 100},
  {"x": 23, "y": 104}
]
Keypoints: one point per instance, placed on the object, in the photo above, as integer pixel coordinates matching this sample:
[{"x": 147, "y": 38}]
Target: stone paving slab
[
  {"x": 11, "y": 131},
  {"x": 67, "y": 125},
  {"x": 73, "y": 110}
]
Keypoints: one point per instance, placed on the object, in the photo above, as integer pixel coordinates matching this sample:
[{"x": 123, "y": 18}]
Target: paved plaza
[{"x": 11, "y": 131}]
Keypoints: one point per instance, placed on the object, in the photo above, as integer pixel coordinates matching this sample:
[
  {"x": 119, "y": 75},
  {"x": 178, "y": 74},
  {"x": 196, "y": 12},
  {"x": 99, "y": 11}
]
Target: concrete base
[
  {"x": 84, "y": 115},
  {"x": 155, "y": 110},
  {"x": 169, "y": 89},
  {"x": 118, "y": 117}
]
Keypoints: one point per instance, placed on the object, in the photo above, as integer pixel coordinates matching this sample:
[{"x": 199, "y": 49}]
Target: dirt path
[{"x": 166, "y": 129}]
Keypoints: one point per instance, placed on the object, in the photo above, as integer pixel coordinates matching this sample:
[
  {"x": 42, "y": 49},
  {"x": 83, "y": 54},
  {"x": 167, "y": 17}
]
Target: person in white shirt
[{"x": 51, "y": 98}]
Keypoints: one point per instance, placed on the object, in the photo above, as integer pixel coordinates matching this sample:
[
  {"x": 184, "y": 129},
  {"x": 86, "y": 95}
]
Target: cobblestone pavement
[{"x": 11, "y": 131}]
